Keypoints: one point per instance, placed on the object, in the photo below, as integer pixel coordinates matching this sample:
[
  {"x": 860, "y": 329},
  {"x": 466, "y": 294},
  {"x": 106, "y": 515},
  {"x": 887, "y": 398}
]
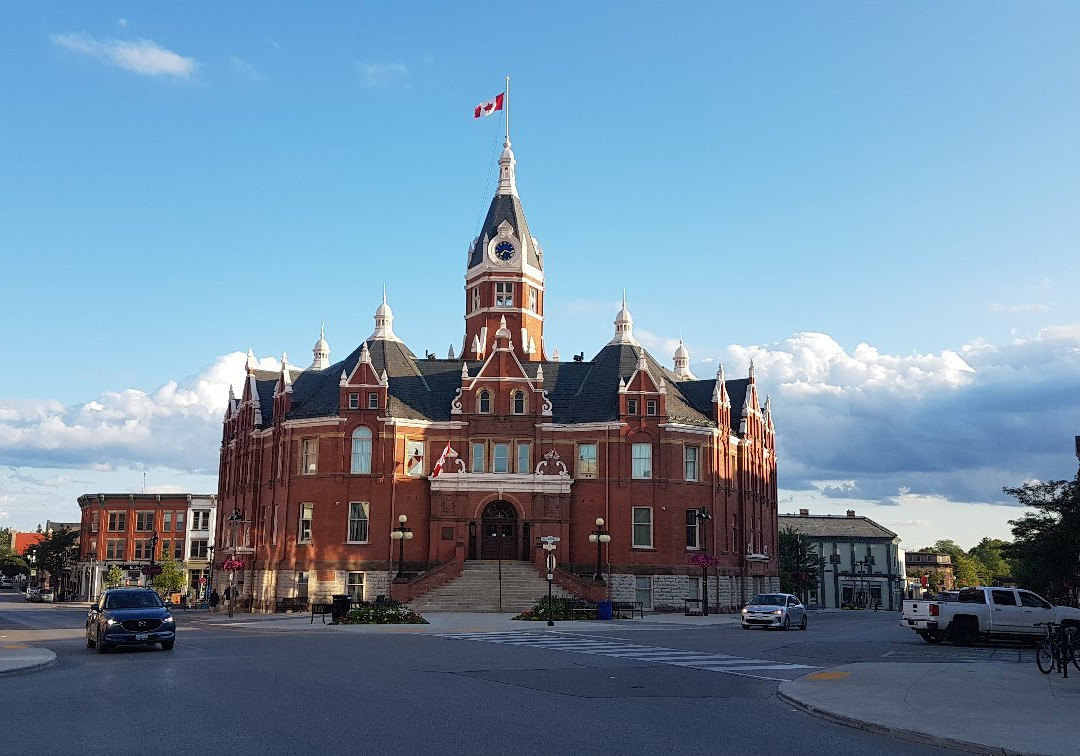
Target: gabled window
[
  {"x": 358, "y": 522},
  {"x": 373, "y": 400},
  {"x": 361, "y": 451},
  {"x": 642, "y": 460},
  {"x": 650, "y": 406},
  {"x": 586, "y": 467},
  {"x": 504, "y": 294},
  {"x": 483, "y": 402},
  {"x": 303, "y": 534},
  {"x": 309, "y": 456},
  {"x": 518, "y": 403},
  {"x": 690, "y": 462},
  {"x": 631, "y": 406},
  {"x": 354, "y": 401}
]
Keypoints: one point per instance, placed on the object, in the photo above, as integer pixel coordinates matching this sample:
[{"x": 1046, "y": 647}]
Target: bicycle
[{"x": 1058, "y": 649}]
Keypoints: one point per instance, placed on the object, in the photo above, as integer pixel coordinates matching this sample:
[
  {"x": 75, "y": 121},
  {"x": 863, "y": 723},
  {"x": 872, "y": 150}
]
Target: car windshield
[
  {"x": 769, "y": 599},
  {"x": 139, "y": 600}
]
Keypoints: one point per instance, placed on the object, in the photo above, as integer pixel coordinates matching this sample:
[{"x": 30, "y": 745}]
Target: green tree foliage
[
  {"x": 56, "y": 552},
  {"x": 11, "y": 565},
  {"x": 172, "y": 577},
  {"x": 994, "y": 567},
  {"x": 800, "y": 564},
  {"x": 114, "y": 576},
  {"x": 1046, "y": 551}
]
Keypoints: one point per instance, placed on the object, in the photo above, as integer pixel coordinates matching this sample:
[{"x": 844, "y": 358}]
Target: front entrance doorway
[{"x": 499, "y": 532}]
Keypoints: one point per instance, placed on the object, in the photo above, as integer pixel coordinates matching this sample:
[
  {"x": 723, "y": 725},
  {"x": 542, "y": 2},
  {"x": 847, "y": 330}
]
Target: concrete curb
[
  {"x": 913, "y": 736},
  {"x": 41, "y": 659}
]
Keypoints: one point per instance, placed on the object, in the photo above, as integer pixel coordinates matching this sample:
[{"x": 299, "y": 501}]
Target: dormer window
[
  {"x": 518, "y": 402},
  {"x": 483, "y": 402},
  {"x": 504, "y": 294}
]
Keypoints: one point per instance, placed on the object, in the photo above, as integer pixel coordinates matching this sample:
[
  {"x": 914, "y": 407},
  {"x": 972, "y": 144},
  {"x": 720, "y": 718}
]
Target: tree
[
  {"x": 114, "y": 576},
  {"x": 990, "y": 554},
  {"x": 800, "y": 564},
  {"x": 1046, "y": 550},
  {"x": 172, "y": 577},
  {"x": 11, "y": 565},
  {"x": 55, "y": 553}
]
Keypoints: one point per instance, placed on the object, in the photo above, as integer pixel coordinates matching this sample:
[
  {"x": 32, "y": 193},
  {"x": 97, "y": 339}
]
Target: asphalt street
[{"x": 637, "y": 687}]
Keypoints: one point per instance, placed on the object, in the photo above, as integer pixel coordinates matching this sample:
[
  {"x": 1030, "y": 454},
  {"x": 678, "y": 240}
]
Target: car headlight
[
  {"x": 745, "y": 610},
  {"x": 110, "y": 622},
  {"x": 168, "y": 620},
  {"x": 778, "y": 611}
]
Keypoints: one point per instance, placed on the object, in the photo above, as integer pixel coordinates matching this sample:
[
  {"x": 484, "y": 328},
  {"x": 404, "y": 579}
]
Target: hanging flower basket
[
  {"x": 704, "y": 560},
  {"x": 232, "y": 565}
]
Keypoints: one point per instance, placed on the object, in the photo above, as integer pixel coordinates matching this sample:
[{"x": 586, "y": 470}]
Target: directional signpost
[{"x": 547, "y": 543}]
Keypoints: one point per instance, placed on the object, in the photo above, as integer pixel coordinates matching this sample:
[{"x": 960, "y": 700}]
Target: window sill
[
  {"x": 644, "y": 548},
  {"x": 358, "y": 543}
]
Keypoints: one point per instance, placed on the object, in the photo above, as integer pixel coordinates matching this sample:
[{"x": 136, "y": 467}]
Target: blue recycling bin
[{"x": 603, "y": 610}]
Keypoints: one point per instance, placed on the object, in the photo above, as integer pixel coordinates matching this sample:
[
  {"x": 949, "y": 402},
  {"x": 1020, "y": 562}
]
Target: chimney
[
  {"x": 804, "y": 513},
  {"x": 851, "y": 513}
]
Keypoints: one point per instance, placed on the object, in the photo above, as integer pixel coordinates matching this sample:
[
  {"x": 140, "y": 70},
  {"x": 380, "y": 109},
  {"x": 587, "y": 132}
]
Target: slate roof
[
  {"x": 836, "y": 527},
  {"x": 423, "y": 389},
  {"x": 505, "y": 207}
]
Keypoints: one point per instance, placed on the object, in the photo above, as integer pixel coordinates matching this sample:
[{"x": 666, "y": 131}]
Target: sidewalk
[{"x": 984, "y": 707}]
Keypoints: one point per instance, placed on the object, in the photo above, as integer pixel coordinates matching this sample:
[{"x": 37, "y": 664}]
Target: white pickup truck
[{"x": 985, "y": 613}]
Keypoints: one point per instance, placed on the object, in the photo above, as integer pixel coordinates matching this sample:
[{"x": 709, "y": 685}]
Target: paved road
[{"x": 254, "y": 686}]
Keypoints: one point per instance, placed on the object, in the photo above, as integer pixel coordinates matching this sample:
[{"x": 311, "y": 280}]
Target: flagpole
[{"x": 507, "y": 108}]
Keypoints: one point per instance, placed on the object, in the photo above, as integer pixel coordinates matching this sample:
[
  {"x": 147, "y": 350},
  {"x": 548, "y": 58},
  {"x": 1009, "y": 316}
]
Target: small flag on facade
[
  {"x": 489, "y": 107},
  {"x": 442, "y": 460}
]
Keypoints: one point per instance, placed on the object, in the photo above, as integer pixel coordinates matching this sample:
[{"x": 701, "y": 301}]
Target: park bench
[
  {"x": 582, "y": 607},
  {"x": 633, "y": 607},
  {"x": 291, "y": 604},
  {"x": 322, "y": 610}
]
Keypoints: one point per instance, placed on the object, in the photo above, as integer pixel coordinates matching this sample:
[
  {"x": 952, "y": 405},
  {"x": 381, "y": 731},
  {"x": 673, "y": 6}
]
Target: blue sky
[{"x": 876, "y": 203}]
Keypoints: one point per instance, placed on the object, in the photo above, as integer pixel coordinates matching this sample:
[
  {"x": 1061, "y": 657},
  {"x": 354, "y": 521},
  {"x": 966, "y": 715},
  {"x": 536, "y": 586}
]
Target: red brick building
[
  {"x": 318, "y": 465},
  {"x": 120, "y": 528}
]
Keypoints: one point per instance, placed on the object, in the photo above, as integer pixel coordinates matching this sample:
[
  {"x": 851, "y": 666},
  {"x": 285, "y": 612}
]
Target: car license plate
[{"x": 142, "y": 636}]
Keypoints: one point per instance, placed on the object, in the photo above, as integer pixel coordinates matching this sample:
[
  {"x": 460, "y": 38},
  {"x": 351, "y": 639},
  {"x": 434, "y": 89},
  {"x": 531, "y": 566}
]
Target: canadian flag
[
  {"x": 489, "y": 107},
  {"x": 442, "y": 459}
]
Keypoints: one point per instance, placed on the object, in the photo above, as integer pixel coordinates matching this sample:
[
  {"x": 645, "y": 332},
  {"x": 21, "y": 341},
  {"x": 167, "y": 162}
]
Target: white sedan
[{"x": 774, "y": 610}]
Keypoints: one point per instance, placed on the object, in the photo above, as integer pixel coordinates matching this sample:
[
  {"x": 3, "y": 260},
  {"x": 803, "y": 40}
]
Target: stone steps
[{"x": 477, "y": 589}]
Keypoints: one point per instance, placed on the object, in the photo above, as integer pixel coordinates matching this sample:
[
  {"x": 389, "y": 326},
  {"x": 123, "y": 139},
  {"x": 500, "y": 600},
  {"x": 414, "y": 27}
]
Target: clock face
[{"x": 504, "y": 251}]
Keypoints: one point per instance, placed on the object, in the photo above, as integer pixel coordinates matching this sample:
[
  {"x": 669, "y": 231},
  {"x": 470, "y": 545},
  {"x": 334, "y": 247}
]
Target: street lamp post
[
  {"x": 90, "y": 583},
  {"x": 599, "y": 537},
  {"x": 703, "y": 515},
  {"x": 153, "y": 553},
  {"x": 401, "y": 534}
]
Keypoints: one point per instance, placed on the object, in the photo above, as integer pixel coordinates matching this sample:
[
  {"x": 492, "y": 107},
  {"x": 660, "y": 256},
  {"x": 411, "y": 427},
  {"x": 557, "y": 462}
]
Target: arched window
[
  {"x": 361, "y": 451},
  {"x": 484, "y": 402},
  {"x": 519, "y": 402}
]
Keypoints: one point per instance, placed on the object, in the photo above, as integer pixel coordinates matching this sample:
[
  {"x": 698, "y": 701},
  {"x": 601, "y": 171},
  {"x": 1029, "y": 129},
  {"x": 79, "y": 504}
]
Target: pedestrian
[
  {"x": 229, "y": 600},
  {"x": 215, "y": 599}
]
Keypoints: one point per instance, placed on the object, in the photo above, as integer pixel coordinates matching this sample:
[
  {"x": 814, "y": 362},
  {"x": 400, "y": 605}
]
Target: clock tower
[{"x": 505, "y": 276}]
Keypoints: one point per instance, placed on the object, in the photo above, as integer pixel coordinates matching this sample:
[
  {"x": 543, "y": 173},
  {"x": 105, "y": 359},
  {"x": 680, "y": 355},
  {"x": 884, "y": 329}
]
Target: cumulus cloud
[
  {"x": 141, "y": 56},
  {"x": 383, "y": 75},
  {"x": 178, "y": 425}
]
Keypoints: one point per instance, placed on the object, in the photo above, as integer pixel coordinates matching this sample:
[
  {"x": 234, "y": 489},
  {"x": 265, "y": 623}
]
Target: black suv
[{"x": 129, "y": 617}]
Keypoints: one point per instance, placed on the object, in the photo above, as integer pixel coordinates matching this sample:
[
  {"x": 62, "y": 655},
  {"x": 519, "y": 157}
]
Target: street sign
[
  {"x": 550, "y": 563},
  {"x": 550, "y": 539}
]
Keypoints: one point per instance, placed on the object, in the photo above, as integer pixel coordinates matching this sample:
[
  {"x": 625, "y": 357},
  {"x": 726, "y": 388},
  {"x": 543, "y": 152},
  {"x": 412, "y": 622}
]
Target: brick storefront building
[{"x": 317, "y": 466}]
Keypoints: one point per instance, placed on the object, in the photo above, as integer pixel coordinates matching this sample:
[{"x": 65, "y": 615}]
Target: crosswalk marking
[{"x": 616, "y": 649}]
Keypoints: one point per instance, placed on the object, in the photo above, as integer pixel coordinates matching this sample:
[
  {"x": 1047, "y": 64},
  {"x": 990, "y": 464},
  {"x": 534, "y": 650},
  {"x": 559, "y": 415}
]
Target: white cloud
[
  {"x": 141, "y": 56},
  {"x": 244, "y": 70},
  {"x": 383, "y": 75}
]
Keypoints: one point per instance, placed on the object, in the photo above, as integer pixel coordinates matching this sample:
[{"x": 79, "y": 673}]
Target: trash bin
[
  {"x": 603, "y": 610},
  {"x": 340, "y": 607}
]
